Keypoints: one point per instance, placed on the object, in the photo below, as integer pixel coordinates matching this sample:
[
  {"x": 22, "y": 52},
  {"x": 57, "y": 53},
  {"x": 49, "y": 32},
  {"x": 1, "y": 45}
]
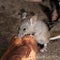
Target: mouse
[{"x": 37, "y": 28}]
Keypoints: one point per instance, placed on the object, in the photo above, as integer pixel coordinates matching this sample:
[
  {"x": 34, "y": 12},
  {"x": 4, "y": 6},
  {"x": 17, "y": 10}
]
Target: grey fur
[{"x": 36, "y": 26}]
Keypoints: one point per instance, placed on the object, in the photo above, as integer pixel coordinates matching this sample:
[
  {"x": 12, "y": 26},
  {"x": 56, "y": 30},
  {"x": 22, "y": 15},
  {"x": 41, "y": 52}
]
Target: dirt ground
[{"x": 10, "y": 21}]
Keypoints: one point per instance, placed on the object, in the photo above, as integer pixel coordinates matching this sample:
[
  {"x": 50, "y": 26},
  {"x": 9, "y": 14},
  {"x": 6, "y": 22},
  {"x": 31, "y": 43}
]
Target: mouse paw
[{"x": 43, "y": 50}]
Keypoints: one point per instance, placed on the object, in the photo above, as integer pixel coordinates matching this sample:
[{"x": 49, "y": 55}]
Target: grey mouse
[{"x": 37, "y": 28}]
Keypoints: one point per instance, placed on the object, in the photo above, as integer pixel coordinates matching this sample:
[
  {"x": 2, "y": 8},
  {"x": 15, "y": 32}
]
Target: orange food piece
[{"x": 26, "y": 49}]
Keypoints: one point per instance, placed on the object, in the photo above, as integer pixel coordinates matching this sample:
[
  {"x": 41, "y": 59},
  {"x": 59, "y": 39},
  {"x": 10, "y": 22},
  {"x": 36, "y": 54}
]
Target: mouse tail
[{"x": 54, "y": 38}]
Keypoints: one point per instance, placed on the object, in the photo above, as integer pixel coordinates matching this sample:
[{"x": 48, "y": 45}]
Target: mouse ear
[
  {"x": 33, "y": 19},
  {"x": 23, "y": 14}
]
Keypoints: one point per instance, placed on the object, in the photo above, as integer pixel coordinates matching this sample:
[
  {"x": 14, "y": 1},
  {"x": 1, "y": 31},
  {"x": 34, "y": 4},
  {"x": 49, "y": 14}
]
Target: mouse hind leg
[{"x": 43, "y": 47}]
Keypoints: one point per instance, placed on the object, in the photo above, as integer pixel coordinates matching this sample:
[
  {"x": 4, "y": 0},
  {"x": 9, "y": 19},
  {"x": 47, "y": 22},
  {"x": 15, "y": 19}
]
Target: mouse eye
[{"x": 24, "y": 29}]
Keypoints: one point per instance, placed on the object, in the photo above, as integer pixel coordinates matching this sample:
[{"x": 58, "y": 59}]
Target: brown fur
[{"x": 23, "y": 50}]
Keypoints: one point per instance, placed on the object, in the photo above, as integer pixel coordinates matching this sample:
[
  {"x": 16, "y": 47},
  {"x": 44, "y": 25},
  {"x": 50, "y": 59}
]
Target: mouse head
[{"x": 27, "y": 24}]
